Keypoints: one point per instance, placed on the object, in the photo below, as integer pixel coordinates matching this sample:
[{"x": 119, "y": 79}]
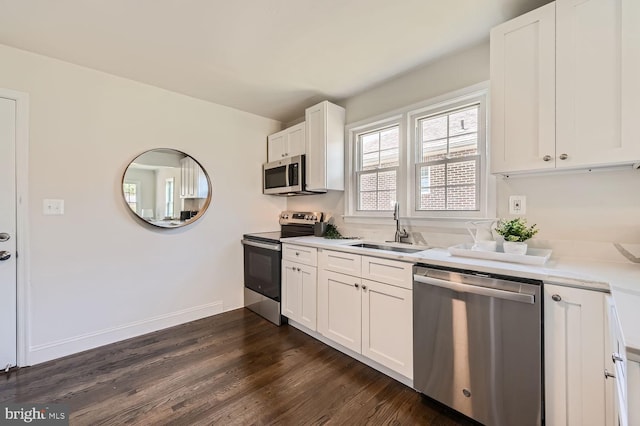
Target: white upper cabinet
[
  {"x": 523, "y": 92},
  {"x": 564, "y": 87},
  {"x": 325, "y": 147},
  {"x": 193, "y": 181},
  {"x": 286, "y": 143},
  {"x": 593, "y": 80}
]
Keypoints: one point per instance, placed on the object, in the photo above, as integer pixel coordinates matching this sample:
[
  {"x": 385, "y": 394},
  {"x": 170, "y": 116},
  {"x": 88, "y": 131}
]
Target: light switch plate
[
  {"x": 518, "y": 204},
  {"x": 52, "y": 207}
]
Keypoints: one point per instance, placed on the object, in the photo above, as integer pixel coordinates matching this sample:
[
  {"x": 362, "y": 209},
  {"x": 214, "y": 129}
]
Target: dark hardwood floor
[{"x": 232, "y": 368}]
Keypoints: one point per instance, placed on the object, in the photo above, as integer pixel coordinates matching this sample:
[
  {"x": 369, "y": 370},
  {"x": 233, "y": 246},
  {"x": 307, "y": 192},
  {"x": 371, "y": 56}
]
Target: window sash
[
  {"x": 378, "y": 171},
  {"x": 418, "y": 184}
]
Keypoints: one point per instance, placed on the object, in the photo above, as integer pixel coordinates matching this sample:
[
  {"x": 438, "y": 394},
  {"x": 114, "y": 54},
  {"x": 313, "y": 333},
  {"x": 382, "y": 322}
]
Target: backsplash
[{"x": 594, "y": 207}]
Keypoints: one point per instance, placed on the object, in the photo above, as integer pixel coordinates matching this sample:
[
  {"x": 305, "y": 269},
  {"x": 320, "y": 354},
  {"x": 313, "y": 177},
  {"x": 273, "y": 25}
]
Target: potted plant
[{"x": 515, "y": 232}]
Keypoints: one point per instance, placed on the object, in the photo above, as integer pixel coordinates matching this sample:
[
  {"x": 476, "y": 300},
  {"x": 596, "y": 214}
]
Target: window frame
[
  {"x": 353, "y": 157},
  {"x": 406, "y": 184},
  {"x": 482, "y": 171}
]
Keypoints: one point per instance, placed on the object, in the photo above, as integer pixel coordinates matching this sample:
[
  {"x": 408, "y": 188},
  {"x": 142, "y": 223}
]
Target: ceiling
[{"x": 269, "y": 57}]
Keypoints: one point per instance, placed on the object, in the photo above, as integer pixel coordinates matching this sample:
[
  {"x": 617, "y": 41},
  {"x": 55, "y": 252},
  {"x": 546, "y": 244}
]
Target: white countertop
[{"x": 618, "y": 276}]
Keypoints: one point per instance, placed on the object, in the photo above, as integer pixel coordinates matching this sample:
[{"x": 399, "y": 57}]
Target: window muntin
[
  {"x": 378, "y": 160},
  {"x": 448, "y": 162}
]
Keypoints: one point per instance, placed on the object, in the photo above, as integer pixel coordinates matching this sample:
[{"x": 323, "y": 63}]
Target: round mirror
[{"x": 166, "y": 188}]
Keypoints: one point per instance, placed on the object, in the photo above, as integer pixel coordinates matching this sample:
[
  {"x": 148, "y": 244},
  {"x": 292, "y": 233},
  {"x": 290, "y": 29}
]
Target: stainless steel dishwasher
[{"x": 477, "y": 344}]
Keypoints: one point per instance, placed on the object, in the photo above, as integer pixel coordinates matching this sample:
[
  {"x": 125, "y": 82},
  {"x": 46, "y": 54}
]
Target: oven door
[{"x": 262, "y": 268}]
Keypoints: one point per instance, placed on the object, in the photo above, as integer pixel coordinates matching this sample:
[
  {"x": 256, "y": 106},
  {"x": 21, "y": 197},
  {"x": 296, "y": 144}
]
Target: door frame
[{"x": 23, "y": 330}]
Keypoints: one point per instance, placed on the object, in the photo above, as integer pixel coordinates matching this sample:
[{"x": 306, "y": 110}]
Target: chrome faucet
[{"x": 399, "y": 234}]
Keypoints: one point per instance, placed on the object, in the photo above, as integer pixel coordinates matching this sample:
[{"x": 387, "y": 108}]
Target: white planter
[{"x": 514, "y": 247}]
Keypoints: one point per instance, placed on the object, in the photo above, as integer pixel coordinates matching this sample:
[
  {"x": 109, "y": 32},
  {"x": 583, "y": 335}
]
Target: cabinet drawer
[
  {"x": 388, "y": 271},
  {"x": 301, "y": 254},
  {"x": 344, "y": 263}
]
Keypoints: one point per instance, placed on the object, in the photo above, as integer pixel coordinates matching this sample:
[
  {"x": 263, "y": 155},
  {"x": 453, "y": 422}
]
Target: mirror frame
[{"x": 193, "y": 219}]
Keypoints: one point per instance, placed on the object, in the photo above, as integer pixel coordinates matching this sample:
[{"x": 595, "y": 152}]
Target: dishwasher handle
[{"x": 473, "y": 289}]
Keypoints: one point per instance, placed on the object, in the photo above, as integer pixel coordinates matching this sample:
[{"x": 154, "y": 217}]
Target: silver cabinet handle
[
  {"x": 4, "y": 237},
  {"x": 556, "y": 298},
  {"x": 616, "y": 357},
  {"x": 5, "y": 255},
  {"x": 607, "y": 375},
  {"x": 563, "y": 156},
  {"x": 547, "y": 158}
]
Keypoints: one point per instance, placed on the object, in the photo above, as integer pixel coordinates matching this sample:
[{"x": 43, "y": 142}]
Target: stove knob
[{"x": 314, "y": 218}]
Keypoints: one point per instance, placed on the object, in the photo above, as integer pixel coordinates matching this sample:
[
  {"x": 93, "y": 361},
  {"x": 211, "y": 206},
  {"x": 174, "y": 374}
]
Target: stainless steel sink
[{"x": 385, "y": 247}]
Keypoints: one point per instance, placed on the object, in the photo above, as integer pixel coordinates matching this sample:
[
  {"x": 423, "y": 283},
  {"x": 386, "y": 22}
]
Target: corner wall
[{"x": 98, "y": 275}]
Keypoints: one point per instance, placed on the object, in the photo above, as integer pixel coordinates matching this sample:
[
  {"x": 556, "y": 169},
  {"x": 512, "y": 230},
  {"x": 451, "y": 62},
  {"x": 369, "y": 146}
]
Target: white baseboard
[{"x": 71, "y": 345}]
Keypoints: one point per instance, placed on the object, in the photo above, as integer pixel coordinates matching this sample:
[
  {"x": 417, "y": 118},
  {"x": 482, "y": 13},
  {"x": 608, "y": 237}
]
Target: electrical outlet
[
  {"x": 52, "y": 207},
  {"x": 517, "y": 204}
]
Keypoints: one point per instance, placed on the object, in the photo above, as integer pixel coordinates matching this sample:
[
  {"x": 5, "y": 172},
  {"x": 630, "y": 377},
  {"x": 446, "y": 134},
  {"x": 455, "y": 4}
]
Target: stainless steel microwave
[{"x": 284, "y": 177}]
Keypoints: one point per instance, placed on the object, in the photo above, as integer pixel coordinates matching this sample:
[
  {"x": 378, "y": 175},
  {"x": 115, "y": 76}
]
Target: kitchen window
[
  {"x": 447, "y": 162},
  {"x": 378, "y": 154},
  {"x": 430, "y": 157}
]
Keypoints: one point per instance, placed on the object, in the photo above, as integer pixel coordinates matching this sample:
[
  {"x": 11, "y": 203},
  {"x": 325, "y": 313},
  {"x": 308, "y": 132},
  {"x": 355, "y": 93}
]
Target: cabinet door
[
  {"x": 630, "y": 15},
  {"x": 325, "y": 147},
  {"x": 523, "y": 92},
  {"x": 276, "y": 146},
  {"x": 387, "y": 326},
  {"x": 590, "y": 83},
  {"x": 340, "y": 309},
  {"x": 296, "y": 140},
  {"x": 291, "y": 290},
  {"x": 308, "y": 296},
  {"x": 574, "y": 338}
]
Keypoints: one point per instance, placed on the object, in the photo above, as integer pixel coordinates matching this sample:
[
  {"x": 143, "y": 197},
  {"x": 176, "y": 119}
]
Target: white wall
[
  {"x": 98, "y": 275},
  {"x": 601, "y": 206}
]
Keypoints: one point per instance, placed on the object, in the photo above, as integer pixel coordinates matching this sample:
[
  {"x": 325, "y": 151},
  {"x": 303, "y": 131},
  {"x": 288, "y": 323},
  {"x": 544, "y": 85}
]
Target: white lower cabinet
[
  {"x": 340, "y": 309},
  {"x": 299, "y": 287},
  {"x": 626, "y": 383},
  {"x": 574, "y": 339},
  {"x": 300, "y": 284},
  {"x": 371, "y": 318},
  {"x": 387, "y": 319}
]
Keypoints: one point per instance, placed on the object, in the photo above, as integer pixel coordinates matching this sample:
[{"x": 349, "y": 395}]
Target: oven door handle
[
  {"x": 473, "y": 289},
  {"x": 274, "y": 247}
]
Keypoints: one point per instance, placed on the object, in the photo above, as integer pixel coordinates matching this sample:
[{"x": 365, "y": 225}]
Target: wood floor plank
[{"x": 232, "y": 368}]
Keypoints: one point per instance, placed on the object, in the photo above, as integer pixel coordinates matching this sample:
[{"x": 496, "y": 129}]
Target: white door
[{"x": 7, "y": 233}]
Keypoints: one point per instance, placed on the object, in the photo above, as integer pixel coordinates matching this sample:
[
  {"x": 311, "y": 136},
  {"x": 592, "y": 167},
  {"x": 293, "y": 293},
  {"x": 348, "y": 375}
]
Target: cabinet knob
[
  {"x": 607, "y": 374},
  {"x": 357, "y": 285},
  {"x": 547, "y": 158},
  {"x": 364, "y": 287},
  {"x": 556, "y": 298},
  {"x": 615, "y": 357},
  {"x": 563, "y": 156},
  {"x": 297, "y": 254}
]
